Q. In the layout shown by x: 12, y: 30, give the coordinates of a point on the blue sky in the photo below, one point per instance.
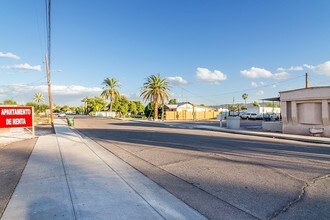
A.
x: 211, y: 51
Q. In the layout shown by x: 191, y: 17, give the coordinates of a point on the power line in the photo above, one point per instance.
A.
x: 238, y: 91
x: 263, y: 86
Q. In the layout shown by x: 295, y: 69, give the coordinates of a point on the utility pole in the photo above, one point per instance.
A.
x: 50, y: 98
x: 306, y: 80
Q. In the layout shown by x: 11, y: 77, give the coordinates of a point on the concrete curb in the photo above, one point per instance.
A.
x: 269, y: 135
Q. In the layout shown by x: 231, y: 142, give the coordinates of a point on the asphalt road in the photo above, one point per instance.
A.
x: 222, y: 175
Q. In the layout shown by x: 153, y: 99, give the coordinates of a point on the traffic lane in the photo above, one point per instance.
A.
x: 274, y: 152
x: 215, y: 185
x: 256, y: 183
x: 213, y: 141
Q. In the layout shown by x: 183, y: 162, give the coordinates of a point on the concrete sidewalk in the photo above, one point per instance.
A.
x: 71, y: 177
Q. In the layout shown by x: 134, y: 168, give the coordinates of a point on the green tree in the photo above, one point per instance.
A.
x: 233, y: 108
x: 57, y: 109
x: 38, y: 108
x: 109, y: 90
x: 94, y: 104
x: 42, y: 107
x: 244, y: 107
x: 80, y: 110
x: 156, y: 90
x: 9, y: 102
x: 245, y: 96
x: 121, y: 105
x: 149, y: 110
x: 139, y: 107
x: 271, y: 104
x: 256, y: 104
x: 132, y: 108
x: 172, y: 101
x: 38, y: 97
x: 34, y: 105
x: 65, y: 108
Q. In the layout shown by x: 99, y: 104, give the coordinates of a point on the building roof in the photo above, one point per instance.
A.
x: 272, y: 99
x: 316, y: 87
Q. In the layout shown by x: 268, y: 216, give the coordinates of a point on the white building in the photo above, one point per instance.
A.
x: 263, y: 110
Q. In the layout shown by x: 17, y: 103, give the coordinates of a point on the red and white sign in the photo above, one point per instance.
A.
x: 15, y: 117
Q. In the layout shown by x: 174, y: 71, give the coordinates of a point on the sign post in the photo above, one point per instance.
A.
x: 17, y: 117
x: 33, y: 130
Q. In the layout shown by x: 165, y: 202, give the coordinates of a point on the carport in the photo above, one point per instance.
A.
x: 273, y: 100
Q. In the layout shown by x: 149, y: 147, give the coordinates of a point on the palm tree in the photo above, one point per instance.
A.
x: 245, y: 96
x: 110, y: 92
x: 38, y: 97
x: 155, y: 89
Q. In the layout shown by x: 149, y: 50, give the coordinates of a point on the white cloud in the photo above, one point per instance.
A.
x: 254, y: 84
x: 255, y: 72
x: 281, y: 75
x: 9, y: 55
x: 177, y: 80
x: 62, y: 94
x: 309, y: 66
x: 292, y: 68
x: 274, y: 86
x: 260, y: 93
x: 206, y: 75
x: 257, y: 84
x: 74, y: 90
x: 56, y: 70
x: 323, y: 68
x: 25, y: 66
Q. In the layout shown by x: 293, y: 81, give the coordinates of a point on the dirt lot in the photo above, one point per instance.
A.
x: 13, y: 159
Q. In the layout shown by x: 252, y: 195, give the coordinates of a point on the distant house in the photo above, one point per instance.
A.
x: 306, y: 111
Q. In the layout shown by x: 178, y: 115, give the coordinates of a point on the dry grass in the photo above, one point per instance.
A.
x: 41, y: 119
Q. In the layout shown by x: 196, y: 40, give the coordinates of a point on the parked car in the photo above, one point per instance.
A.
x: 61, y: 114
x: 271, y: 117
x: 249, y: 116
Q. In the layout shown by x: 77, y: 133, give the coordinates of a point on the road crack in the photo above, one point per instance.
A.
x: 299, y: 198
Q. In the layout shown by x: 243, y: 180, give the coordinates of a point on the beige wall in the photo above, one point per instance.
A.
x: 188, y: 115
x: 304, y: 109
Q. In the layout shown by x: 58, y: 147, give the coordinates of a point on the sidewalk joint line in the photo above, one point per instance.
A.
x: 66, y: 179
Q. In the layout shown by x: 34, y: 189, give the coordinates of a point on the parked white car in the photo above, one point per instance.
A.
x: 249, y: 116
x: 61, y: 114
